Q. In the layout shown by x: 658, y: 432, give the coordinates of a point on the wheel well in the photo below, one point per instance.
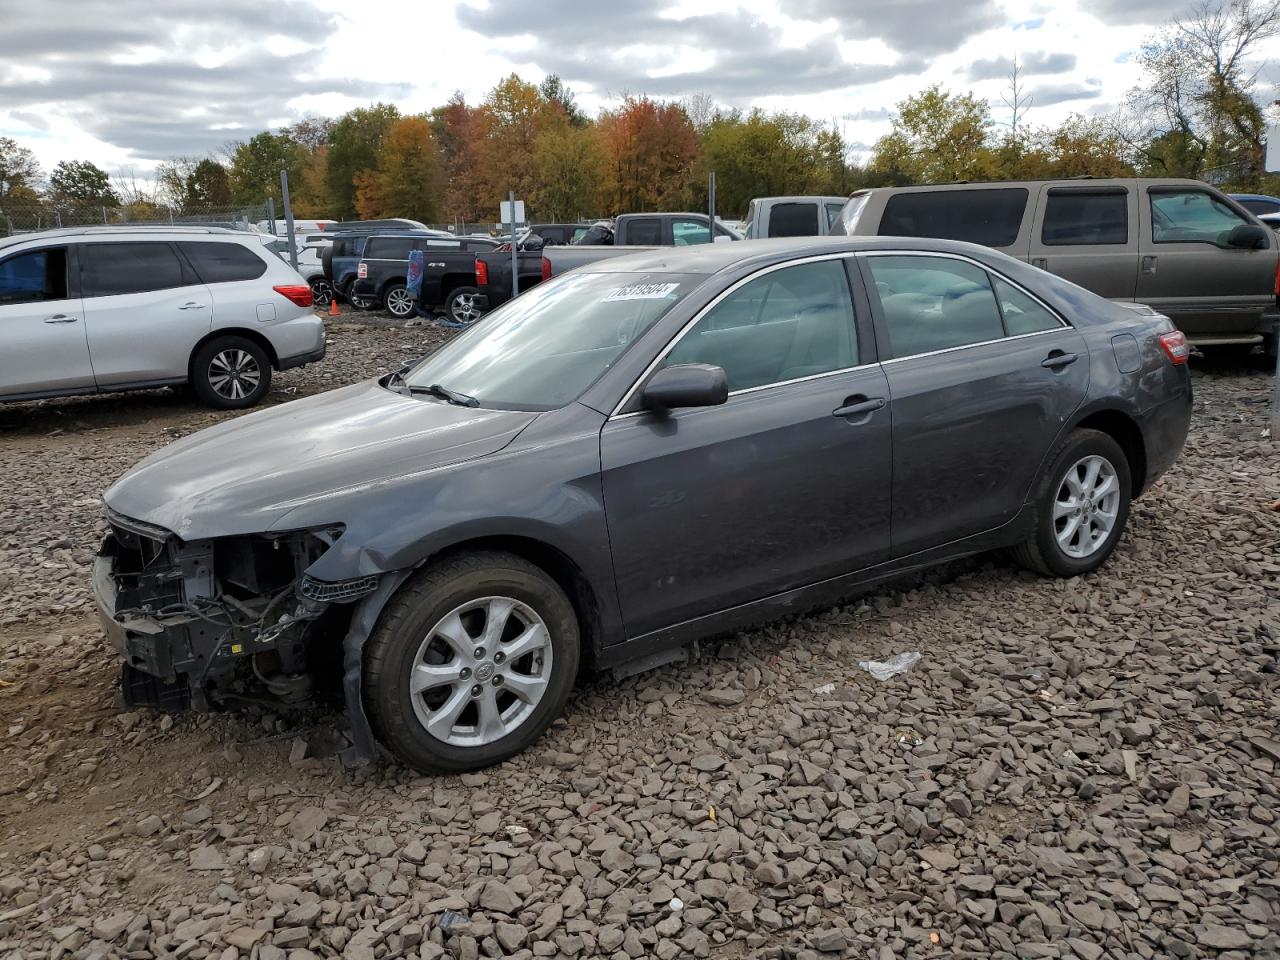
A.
x: 567, y: 575
x: 253, y: 335
x: 452, y: 281
x: 1122, y: 429
x: 389, y: 283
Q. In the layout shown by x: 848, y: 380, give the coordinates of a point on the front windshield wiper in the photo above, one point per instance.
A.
x: 444, y: 393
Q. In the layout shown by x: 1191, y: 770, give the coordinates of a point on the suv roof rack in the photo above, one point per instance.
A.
x: 130, y: 228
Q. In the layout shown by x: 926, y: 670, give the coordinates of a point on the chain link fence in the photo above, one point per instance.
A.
x: 28, y: 217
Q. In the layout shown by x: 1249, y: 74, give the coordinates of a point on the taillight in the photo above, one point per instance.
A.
x: 1175, y: 346
x: 546, y: 269
x: 298, y: 293
x: 482, y: 274
x: 362, y: 271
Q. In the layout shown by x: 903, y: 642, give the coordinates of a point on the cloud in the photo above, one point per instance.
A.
x: 159, y: 80
x: 1048, y: 94
x: 909, y: 26
x: 1029, y: 64
x: 623, y: 48
x: 1128, y: 12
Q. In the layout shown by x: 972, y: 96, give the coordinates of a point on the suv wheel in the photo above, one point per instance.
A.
x: 1082, y: 504
x: 231, y: 373
x: 471, y: 661
x: 396, y: 299
x: 321, y: 291
x: 461, y: 308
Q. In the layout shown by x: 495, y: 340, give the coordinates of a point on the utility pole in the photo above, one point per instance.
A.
x: 711, y: 206
x: 515, y: 270
x: 288, y: 218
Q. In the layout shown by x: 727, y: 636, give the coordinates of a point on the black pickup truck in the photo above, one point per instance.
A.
x: 449, y: 281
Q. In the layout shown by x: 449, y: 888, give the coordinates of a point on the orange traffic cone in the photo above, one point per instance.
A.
x: 334, y: 310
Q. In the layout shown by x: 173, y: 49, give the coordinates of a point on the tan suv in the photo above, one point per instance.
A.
x: 1180, y: 246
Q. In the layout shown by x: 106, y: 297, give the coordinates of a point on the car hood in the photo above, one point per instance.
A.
x: 246, y: 475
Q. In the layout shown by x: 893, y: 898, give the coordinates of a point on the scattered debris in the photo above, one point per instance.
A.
x: 884, y: 669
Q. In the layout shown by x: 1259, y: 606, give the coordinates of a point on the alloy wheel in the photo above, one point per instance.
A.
x: 321, y: 292
x: 481, y: 671
x: 464, y: 309
x: 234, y: 373
x: 398, y: 302
x: 1086, y: 506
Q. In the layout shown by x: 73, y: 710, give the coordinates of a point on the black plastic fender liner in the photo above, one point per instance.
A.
x: 363, y: 749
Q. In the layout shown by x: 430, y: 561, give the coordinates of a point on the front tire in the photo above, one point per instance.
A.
x: 1081, y: 504
x: 230, y: 373
x: 470, y: 663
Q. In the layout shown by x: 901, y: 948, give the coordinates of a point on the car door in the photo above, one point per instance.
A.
x: 787, y: 483
x: 981, y: 376
x: 42, y: 332
x: 1189, y: 273
x: 144, y: 311
x: 1089, y: 235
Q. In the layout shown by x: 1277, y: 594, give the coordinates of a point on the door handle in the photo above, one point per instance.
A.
x: 1057, y: 360
x: 857, y: 405
x: 1149, y: 265
x: 191, y: 305
x: 60, y: 318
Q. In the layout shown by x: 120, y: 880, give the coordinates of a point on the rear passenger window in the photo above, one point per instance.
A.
x: 388, y: 248
x: 34, y: 277
x: 112, y: 269
x: 989, y: 217
x: 226, y: 262
x: 793, y: 220
x: 1022, y: 314
x: 644, y: 233
x: 789, y: 323
x: 934, y: 303
x: 1086, y: 218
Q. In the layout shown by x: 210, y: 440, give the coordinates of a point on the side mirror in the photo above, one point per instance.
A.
x: 686, y: 385
x: 721, y: 238
x: 1247, y: 236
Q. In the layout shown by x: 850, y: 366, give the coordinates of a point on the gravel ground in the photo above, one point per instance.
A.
x: 1080, y: 768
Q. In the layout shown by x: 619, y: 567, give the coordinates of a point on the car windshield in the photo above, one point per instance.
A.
x: 544, y: 348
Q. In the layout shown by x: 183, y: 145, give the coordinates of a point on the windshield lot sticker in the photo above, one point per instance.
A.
x: 643, y: 291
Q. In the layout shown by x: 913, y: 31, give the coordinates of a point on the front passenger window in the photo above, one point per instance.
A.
x: 787, y: 324
x: 1191, y: 216
x: 934, y: 303
x: 34, y: 277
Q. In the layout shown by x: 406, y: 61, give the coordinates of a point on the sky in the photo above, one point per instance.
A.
x: 129, y: 83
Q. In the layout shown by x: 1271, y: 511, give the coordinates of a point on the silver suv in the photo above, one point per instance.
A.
x: 101, y: 309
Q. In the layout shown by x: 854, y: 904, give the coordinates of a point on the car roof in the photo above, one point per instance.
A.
x: 1082, y: 182
x: 132, y: 231
x: 709, y: 258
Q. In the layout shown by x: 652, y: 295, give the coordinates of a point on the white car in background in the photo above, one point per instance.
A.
x: 103, y: 309
x: 310, y: 264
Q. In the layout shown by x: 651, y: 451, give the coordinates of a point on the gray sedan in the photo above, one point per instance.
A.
x: 619, y: 462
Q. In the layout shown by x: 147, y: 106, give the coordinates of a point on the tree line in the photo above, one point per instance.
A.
x: 1197, y: 113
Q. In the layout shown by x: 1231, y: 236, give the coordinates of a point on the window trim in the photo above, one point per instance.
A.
x: 878, y: 309
x: 1174, y: 188
x: 1088, y: 192
x: 712, y: 304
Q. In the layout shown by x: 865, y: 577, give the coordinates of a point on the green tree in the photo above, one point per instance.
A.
x: 767, y: 155
x: 354, y: 142
x: 567, y: 170
x: 937, y: 137
x: 207, y: 186
x: 19, y: 171
x: 81, y: 183
x: 256, y: 165
x: 554, y: 91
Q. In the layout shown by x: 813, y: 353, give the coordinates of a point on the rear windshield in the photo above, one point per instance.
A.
x: 793, y: 220
x: 989, y: 217
x: 544, y: 348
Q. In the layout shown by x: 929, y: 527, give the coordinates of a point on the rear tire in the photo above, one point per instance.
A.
x: 1081, y: 506
x: 321, y: 291
x: 230, y: 373
x: 396, y: 300
x: 436, y: 634
x: 460, y: 307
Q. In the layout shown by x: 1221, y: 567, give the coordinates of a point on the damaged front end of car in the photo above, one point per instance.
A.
x: 202, y: 624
